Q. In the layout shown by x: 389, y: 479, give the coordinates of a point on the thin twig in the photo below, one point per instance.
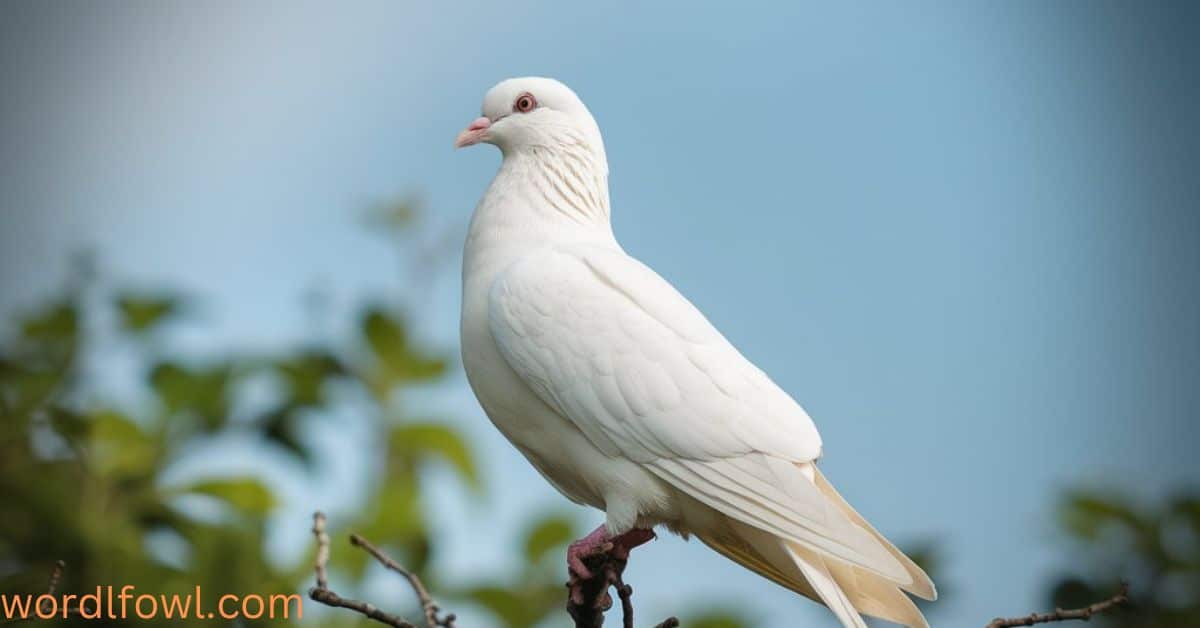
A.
x: 427, y: 605
x: 329, y: 598
x: 318, y: 530
x: 1059, y: 614
x: 321, y: 593
x: 52, y: 586
x: 625, y: 593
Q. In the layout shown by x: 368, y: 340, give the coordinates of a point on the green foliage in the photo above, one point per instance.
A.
x: 548, y: 534
x: 716, y: 618
x: 54, y: 327
x: 245, y: 494
x: 397, y: 361
x: 928, y: 555
x: 395, y: 217
x: 203, y: 391
x: 305, y: 375
x: 419, y: 441
x: 141, y: 314
x: 82, y: 480
x: 520, y: 606
x: 1157, y: 549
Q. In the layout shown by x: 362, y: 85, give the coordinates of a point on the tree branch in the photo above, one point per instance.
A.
x: 321, y: 592
x: 1059, y: 614
x: 329, y: 598
x: 51, y: 588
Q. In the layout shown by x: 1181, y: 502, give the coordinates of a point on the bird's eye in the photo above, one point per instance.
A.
x: 525, y: 103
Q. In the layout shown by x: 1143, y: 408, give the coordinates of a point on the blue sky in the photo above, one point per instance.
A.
x: 963, y: 235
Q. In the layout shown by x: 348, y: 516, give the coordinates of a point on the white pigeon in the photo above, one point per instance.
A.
x: 621, y: 393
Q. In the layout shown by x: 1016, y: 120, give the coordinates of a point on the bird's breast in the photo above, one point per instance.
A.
x: 552, y: 444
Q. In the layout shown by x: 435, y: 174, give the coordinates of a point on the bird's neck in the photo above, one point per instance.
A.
x: 546, y: 195
x: 569, y: 179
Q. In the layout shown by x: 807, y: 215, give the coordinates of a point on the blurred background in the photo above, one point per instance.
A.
x: 966, y: 236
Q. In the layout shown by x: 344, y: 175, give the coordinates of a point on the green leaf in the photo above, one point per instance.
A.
x: 202, y: 391
x: 141, y: 314
x: 503, y: 603
x: 1074, y: 593
x: 1188, y: 507
x: 393, y: 518
x: 385, y: 335
x: 58, y: 322
x: 520, y: 606
x: 395, y: 216
x: 716, y: 619
x: 246, y: 494
x: 547, y: 534
x: 420, y: 440
x: 68, y: 424
x: 399, y: 361
x: 281, y: 428
x: 927, y: 555
x: 119, y: 447
x: 1085, y: 514
x: 305, y: 376
x: 27, y: 390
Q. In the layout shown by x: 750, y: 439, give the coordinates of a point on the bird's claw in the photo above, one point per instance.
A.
x: 580, y: 550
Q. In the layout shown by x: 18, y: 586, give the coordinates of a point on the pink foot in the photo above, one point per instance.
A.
x: 597, y: 542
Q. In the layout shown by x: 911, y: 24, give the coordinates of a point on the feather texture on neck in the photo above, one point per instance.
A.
x: 564, y: 176
x: 543, y: 195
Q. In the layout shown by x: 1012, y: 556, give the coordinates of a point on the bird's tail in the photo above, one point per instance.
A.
x: 848, y: 591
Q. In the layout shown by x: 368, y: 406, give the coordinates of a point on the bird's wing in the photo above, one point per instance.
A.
x: 613, y: 347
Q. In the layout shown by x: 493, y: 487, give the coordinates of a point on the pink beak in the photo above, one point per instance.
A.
x: 475, y: 133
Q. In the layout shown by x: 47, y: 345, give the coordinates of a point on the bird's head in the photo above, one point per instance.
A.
x: 520, y: 114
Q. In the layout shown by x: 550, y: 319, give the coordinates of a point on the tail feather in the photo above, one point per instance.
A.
x: 751, y: 560
x: 921, y: 585
x: 817, y: 573
x: 848, y: 591
x: 877, y: 597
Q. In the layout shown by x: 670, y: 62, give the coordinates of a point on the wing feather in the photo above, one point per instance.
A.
x: 808, y: 519
x: 614, y: 348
